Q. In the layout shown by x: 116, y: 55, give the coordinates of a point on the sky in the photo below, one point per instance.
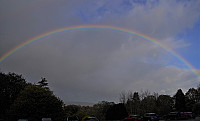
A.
x: 92, y: 65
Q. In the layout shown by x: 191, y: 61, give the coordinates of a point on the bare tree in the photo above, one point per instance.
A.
x: 144, y: 94
x: 122, y: 97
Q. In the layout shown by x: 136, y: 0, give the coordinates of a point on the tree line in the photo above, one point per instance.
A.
x: 22, y: 100
x: 145, y: 101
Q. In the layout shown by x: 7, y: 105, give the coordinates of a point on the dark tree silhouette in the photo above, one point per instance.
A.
x: 116, y: 112
x: 101, y: 108
x: 43, y: 83
x: 71, y: 109
x: 191, y: 99
x: 11, y: 85
x: 164, y: 104
x: 35, y: 103
x: 180, y: 100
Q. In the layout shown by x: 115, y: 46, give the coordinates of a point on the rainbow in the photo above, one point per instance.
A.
x: 114, y: 28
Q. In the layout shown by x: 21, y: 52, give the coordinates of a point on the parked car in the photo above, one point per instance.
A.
x: 23, y: 120
x: 183, y: 115
x: 150, y: 117
x: 134, y: 118
x: 173, y: 115
x: 90, y: 119
x: 46, y: 119
x: 189, y: 115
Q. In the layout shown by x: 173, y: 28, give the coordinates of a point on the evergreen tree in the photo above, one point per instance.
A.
x: 180, y: 100
x: 164, y: 104
x: 136, y: 102
x: 191, y: 99
x: 43, y: 83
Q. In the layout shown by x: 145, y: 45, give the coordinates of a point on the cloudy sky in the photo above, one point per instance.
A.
x: 91, y: 65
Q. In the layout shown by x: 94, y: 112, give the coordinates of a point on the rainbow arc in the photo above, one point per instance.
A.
x: 114, y: 28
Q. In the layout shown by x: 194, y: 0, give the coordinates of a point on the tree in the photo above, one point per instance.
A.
x: 192, y: 94
x: 35, y: 102
x: 11, y: 85
x: 129, y: 103
x: 196, y: 108
x: 198, y: 93
x: 179, y: 100
x: 144, y: 94
x: 71, y: 109
x: 85, y: 111
x: 101, y: 108
x: 116, y: 112
x: 136, y: 102
x: 191, y: 98
x: 122, y: 97
x: 198, y: 87
x: 133, y: 103
x: 43, y: 83
x: 148, y: 104
x: 164, y: 104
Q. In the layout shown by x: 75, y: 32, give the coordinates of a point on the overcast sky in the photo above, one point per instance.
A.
x: 92, y: 65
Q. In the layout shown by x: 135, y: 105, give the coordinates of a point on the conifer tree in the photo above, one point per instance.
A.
x: 179, y: 100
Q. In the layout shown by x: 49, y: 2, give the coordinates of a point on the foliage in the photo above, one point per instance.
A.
x: 101, y: 108
x: 196, y: 108
x: 149, y: 104
x: 191, y: 98
x: 35, y: 103
x: 179, y: 100
x: 85, y: 111
x: 20, y: 99
x: 43, y: 83
x: 164, y: 104
x: 133, y: 103
x: 116, y: 112
x: 71, y: 110
x: 11, y: 85
x: 145, y: 101
x: 192, y: 94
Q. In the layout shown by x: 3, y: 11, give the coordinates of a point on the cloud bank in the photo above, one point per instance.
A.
x: 95, y: 65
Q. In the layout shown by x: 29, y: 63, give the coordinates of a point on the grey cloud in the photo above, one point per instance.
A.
x: 92, y: 65
x: 80, y: 66
x: 162, y: 20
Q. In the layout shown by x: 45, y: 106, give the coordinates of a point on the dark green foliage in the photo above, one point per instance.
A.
x: 196, y: 108
x: 101, y: 108
x: 164, y: 104
x: 180, y: 101
x: 43, y: 83
x: 149, y: 104
x: 133, y: 103
x: 11, y: 85
x: 35, y: 103
x: 192, y: 94
x: 191, y: 98
x: 71, y: 110
x: 116, y: 112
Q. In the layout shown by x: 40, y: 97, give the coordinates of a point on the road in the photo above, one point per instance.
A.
x: 196, y: 119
